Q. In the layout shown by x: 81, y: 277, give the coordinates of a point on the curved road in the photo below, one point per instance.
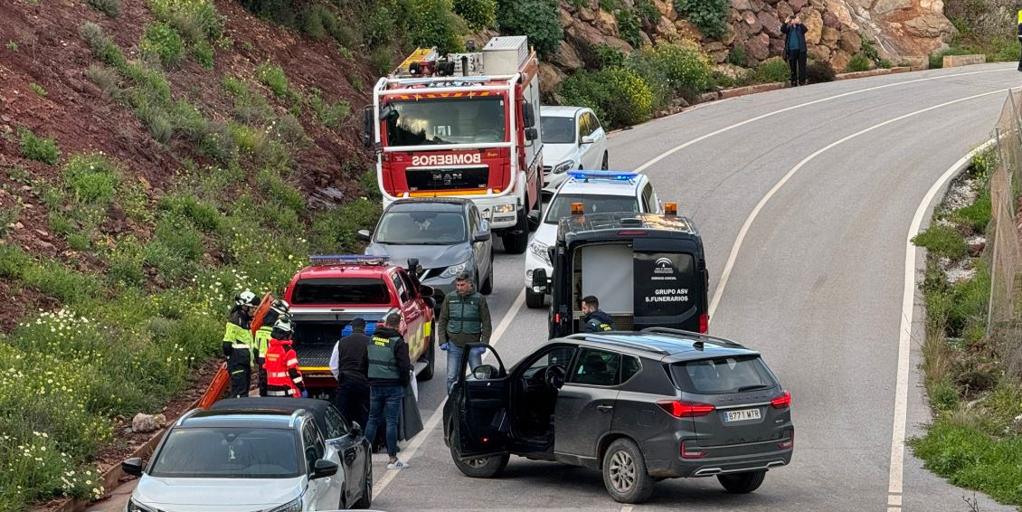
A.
x: 804, y: 198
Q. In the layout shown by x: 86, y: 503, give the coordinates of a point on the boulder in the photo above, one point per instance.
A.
x: 142, y: 423
x: 814, y: 26
x: 566, y: 57
x: 819, y: 52
x: 751, y: 22
x: 550, y: 77
x: 606, y: 22
x: 665, y: 28
x: 839, y: 60
x: 850, y: 42
x: 759, y: 46
x: 797, y: 5
x: 741, y: 5
x: 830, y: 37
x: 586, y: 14
x: 771, y: 23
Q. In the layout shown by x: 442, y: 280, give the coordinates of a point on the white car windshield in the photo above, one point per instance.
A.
x: 561, y: 206
x: 422, y: 228
x: 237, y: 452
x: 558, y: 130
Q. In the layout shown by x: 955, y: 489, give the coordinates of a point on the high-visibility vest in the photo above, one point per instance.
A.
x: 382, y: 360
x: 465, y: 313
x: 241, y: 341
x: 280, y: 360
x: 262, y: 340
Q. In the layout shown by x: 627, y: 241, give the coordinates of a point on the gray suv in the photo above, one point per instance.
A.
x: 638, y: 406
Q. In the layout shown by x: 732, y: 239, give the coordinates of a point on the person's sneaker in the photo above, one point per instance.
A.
x: 397, y: 464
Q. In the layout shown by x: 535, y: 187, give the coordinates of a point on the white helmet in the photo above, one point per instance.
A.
x: 281, y: 307
x: 245, y: 298
x: 284, y: 325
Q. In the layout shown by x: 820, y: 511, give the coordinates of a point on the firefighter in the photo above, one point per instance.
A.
x: 283, y: 378
x: 279, y: 309
x: 238, y: 344
x: 595, y: 320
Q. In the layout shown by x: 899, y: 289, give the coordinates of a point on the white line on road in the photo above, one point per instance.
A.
x: 438, y: 414
x: 905, y: 332
x: 729, y: 265
x: 701, y: 138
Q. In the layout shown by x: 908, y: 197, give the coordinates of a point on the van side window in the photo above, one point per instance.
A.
x: 596, y: 367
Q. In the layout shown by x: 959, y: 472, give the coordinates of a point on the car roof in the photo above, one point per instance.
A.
x: 600, y: 183
x: 559, y: 110
x: 208, y: 418
x: 668, y: 345
x: 275, y: 407
x: 600, y: 224
x: 429, y: 203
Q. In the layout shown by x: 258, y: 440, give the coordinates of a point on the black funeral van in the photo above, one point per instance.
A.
x: 647, y: 270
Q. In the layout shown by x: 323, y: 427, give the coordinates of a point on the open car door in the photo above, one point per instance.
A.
x: 477, y: 416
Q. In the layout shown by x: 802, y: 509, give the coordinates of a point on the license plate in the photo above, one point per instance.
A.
x: 742, y: 415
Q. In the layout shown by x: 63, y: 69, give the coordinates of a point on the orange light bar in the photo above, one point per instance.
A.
x: 577, y: 209
x: 670, y: 208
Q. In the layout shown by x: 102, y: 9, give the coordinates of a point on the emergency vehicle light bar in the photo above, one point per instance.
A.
x: 357, y: 259
x: 671, y: 208
x: 603, y: 175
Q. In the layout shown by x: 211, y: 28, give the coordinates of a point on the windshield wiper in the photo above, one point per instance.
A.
x: 754, y: 388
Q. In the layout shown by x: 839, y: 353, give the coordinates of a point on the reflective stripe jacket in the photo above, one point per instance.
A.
x: 238, y: 344
x: 281, y: 365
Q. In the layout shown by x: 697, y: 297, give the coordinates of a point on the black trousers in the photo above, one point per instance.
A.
x: 352, y: 399
x: 262, y: 377
x: 797, y: 63
x: 241, y: 379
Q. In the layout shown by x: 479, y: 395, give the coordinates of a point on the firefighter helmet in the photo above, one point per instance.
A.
x: 246, y: 298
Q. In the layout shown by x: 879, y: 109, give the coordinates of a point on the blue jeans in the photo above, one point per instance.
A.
x: 454, y: 359
x: 385, y: 406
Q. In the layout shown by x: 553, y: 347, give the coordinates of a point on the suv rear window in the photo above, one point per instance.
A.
x: 722, y: 375
x: 341, y: 291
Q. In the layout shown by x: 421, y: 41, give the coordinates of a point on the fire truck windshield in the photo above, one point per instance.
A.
x: 446, y: 121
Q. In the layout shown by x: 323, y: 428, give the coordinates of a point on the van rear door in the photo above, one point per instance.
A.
x: 669, y: 285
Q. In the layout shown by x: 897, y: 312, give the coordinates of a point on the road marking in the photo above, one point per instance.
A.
x: 897, y: 465
x: 438, y: 414
x: 701, y: 138
x: 729, y: 265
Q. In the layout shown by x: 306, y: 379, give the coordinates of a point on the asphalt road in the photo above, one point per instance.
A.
x: 816, y: 285
x: 809, y: 194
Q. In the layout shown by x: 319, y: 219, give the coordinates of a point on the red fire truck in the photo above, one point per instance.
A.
x: 466, y: 125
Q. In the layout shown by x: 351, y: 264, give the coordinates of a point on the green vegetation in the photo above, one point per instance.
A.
x: 163, y: 42
x: 709, y: 15
x: 196, y: 22
x: 537, y: 19
x: 111, y: 8
x: 974, y: 441
x: 629, y: 26
x: 774, y: 69
x: 858, y: 62
x: 433, y: 23
x: 480, y: 14
x: 38, y: 89
x: 38, y: 148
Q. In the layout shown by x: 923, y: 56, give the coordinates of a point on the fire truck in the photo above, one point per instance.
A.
x: 465, y: 125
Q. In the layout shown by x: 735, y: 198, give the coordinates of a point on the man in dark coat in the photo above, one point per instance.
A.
x: 350, y: 365
x: 795, y: 49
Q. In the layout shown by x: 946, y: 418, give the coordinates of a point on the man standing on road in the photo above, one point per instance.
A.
x: 595, y: 320
x: 464, y: 318
x: 238, y: 344
x: 795, y: 49
x: 349, y: 363
x: 389, y: 371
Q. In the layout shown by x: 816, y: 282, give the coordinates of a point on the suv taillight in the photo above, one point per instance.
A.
x: 704, y: 323
x: 680, y: 409
x: 691, y: 454
x: 782, y: 402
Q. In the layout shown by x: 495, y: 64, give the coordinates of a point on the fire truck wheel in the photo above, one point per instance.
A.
x: 516, y: 239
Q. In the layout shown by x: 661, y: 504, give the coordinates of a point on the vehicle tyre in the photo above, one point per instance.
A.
x: 606, y: 162
x: 533, y: 300
x: 483, y: 467
x: 516, y: 239
x: 366, y: 500
x: 487, y: 287
x: 624, y: 472
x: 742, y: 483
x: 430, y: 357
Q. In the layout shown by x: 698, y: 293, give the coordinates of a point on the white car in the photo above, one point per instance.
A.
x: 599, y: 192
x: 572, y: 139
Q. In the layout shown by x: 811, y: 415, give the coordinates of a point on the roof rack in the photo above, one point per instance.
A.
x: 348, y: 259
x: 702, y: 337
x: 601, y: 337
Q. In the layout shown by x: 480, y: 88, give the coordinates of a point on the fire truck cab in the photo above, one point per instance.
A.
x: 464, y: 125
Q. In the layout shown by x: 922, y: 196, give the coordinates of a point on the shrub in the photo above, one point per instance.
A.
x: 628, y: 26
x: 196, y: 20
x: 92, y: 178
x: 334, y: 229
x: 709, y: 15
x: 279, y: 191
x: 201, y: 214
x: 331, y: 115
x: 274, y: 78
x: 738, y: 56
x: 977, y: 215
x: 111, y: 8
x: 937, y: 59
x: 941, y: 240
x: 311, y: 20
x: 13, y: 261
x: 684, y: 66
x: 647, y: 11
x: 537, y: 19
x: 607, y: 56
x: 859, y: 62
x: 125, y: 262
x: 480, y: 14
x: 771, y: 70
x: 162, y: 41
x: 433, y: 23
x: 817, y: 72
x: 8, y: 216
x: 37, y: 89
x: 38, y: 148
x: 102, y: 46
x: 620, y: 96
x: 381, y: 58
x: 67, y: 285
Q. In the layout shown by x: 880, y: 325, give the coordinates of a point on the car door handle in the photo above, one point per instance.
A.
x: 604, y: 408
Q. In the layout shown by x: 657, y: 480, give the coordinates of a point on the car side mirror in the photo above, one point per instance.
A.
x: 528, y: 115
x: 323, y: 468
x: 413, y: 267
x: 481, y: 236
x: 364, y: 235
x: 587, y: 140
x: 356, y: 429
x: 368, y: 120
x: 426, y: 291
x: 485, y: 372
x: 533, y: 217
x: 531, y: 134
x: 539, y: 280
x: 133, y: 466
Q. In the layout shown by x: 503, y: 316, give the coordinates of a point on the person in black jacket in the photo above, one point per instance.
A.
x: 595, y: 320
x: 795, y: 49
x: 350, y: 365
x: 389, y: 372
x: 1020, y: 38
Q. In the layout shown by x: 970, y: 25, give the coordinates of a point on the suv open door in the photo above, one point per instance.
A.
x: 477, y: 415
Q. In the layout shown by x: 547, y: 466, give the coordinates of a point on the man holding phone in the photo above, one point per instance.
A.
x: 795, y: 49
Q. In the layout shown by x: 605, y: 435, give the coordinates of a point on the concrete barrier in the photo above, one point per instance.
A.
x: 953, y: 61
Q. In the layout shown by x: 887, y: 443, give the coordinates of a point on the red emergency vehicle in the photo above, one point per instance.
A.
x: 465, y: 125
x: 328, y: 294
